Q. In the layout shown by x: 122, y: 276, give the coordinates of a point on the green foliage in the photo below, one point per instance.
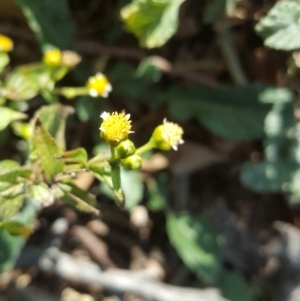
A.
x: 25, y: 82
x: 51, y: 22
x: 8, y: 115
x: 48, y: 151
x: 197, y: 245
x: 280, y: 27
x: 132, y: 188
x: 153, y: 22
x: 278, y: 171
x: 13, y: 232
x: 233, y: 113
x: 4, y: 60
x: 216, y: 9
x: 251, y: 111
x: 158, y: 192
x: 234, y: 287
x: 54, y: 119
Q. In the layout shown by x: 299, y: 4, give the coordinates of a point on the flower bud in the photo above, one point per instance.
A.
x: 166, y: 136
x: 132, y: 162
x: 53, y: 58
x: 6, y: 43
x: 125, y: 149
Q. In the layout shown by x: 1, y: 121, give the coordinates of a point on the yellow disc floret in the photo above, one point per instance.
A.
x: 167, y: 135
x: 6, y: 43
x: 115, y: 127
x: 99, y: 85
x: 53, y: 58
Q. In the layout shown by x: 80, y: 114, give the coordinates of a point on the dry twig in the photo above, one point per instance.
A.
x: 116, y: 280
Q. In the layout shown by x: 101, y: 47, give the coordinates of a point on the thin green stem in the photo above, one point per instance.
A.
x: 145, y: 148
x: 230, y: 55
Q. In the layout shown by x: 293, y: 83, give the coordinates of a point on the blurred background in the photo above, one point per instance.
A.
x: 216, y: 220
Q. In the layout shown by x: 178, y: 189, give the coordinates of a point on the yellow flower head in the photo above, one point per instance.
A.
x: 6, y: 44
x: 115, y: 127
x: 167, y: 135
x: 99, y: 85
x: 53, y: 58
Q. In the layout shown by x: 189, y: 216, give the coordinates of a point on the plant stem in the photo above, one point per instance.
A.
x: 146, y: 147
x: 231, y: 57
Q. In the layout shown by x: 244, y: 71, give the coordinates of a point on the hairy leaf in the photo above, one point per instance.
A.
x: 236, y: 113
x: 4, y: 60
x: 153, y: 22
x: 42, y: 193
x: 19, y: 224
x: 50, y: 20
x: 72, y: 195
x: 75, y: 159
x: 8, y: 115
x: 25, y: 82
x: 54, y: 119
x: 281, y: 26
x: 11, y: 199
x: 47, y: 150
x: 196, y: 244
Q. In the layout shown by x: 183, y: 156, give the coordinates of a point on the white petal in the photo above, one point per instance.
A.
x: 104, y: 115
x: 108, y: 88
x: 99, y: 75
x: 93, y: 93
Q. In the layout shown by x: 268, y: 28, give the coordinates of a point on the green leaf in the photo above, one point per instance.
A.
x: 13, y: 174
x: 132, y: 187
x: 11, y: 200
x: 25, y: 82
x: 267, y: 176
x: 149, y: 70
x: 11, y: 245
x: 74, y: 196
x: 11, y: 171
x: 234, y: 287
x: 196, y: 244
x: 133, y: 85
x: 7, y: 164
x: 10, y: 249
x: 235, y: 113
x: 75, y: 159
x: 17, y: 228
x: 42, y: 193
x: 281, y: 26
x: 78, y: 155
x: 153, y: 22
x: 214, y: 11
x: 4, y: 60
x: 8, y: 115
x: 54, y: 117
x: 158, y: 192
x: 51, y: 22
x: 47, y: 150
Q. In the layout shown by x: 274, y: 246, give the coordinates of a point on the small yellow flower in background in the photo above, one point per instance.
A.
x: 167, y: 135
x: 53, y: 58
x: 99, y: 85
x: 115, y: 127
x: 6, y: 43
